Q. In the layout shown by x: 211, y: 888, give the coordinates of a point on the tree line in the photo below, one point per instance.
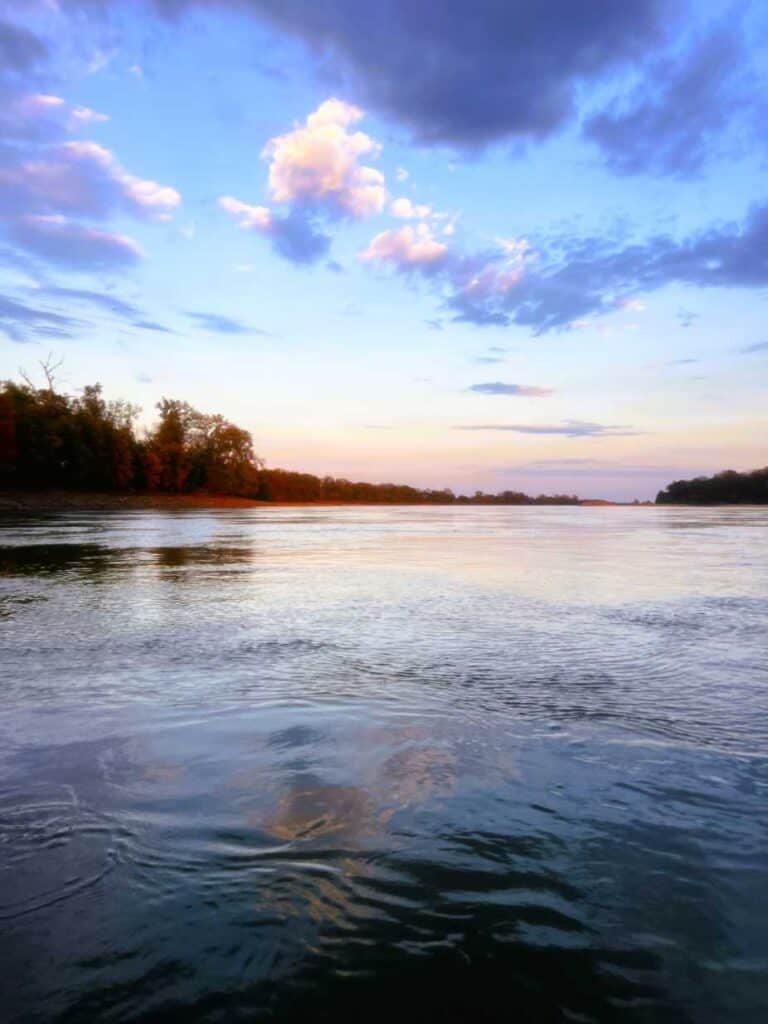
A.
x: 52, y: 440
x: 726, y: 488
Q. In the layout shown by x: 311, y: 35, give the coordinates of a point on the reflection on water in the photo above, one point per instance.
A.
x: 461, y: 764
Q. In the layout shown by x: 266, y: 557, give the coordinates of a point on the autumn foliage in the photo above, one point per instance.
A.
x: 50, y: 440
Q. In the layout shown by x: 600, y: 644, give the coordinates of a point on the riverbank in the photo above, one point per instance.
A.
x: 87, y: 501
x: 104, y: 501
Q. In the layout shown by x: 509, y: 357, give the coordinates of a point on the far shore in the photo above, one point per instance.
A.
x: 91, y: 501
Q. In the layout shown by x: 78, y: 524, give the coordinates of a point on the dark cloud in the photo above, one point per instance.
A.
x: 669, y: 123
x: 19, y: 48
x: 22, y: 323
x: 470, y: 73
x: 224, y: 324
x: 496, y: 387
x: 760, y: 346
x: 297, y: 238
x: 571, y: 428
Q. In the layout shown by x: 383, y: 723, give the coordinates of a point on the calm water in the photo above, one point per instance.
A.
x: 351, y: 764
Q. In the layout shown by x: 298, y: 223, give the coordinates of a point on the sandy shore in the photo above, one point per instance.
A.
x: 46, y: 501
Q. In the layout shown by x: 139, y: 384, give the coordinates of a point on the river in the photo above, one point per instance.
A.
x: 444, y: 763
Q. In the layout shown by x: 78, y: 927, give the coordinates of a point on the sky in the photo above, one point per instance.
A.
x: 490, y: 245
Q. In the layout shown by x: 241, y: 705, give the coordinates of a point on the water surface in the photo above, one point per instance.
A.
x: 361, y: 763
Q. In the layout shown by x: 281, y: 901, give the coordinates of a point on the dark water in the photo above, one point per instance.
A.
x: 357, y: 764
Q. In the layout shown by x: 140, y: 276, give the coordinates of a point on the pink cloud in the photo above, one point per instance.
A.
x: 252, y: 218
x: 405, y: 248
x: 60, y: 240
x: 406, y: 210
x: 319, y: 163
x: 85, y: 178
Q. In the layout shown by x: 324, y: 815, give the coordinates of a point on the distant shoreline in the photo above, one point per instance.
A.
x: 98, y: 501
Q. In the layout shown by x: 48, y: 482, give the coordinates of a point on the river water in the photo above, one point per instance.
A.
x: 451, y: 764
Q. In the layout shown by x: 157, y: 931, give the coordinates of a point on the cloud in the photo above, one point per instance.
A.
x: 401, y: 174
x: 498, y: 388
x: 472, y: 74
x: 630, y: 304
x: 571, y: 428
x: 595, y: 468
x: 669, y: 123
x: 152, y: 325
x: 20, y: 49
x: 59, y: 240
x: 489, y: 360
x: 51, y: 184
x: 22, y: 323
x: 561, y: 285
x: 82, y: 179
x: 223, y: 324
x: 406, y: 248
x: 760, y: 346
x: 315, y: 176
x: 296, y: 236
x: 251, y: 218
x: 318, y: 164
x: 468, y: 74
x: 406, y: 210
x: 102, y: 300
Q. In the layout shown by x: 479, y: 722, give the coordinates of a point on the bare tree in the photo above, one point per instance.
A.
x: 49, y: 368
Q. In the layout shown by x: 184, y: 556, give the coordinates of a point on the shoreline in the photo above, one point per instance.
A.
x: 104, y: 501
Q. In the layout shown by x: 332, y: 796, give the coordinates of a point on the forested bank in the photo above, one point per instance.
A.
x: 54, y: 441
x: 726, y: 488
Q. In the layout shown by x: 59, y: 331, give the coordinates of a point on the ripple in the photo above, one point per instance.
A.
x: 56, y: 848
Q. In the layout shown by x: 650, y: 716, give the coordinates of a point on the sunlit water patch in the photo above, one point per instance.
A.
x: 456, y: 764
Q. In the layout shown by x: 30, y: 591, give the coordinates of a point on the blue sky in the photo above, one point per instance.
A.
x: 497, y: 245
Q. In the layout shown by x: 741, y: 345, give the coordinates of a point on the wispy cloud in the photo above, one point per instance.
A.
x: 759, y: 346
x: 571, y: 428
x: 596, y: 468
x: 496, y: 387
x: 21, y: 322
x: 220, y: 324
x: 152, y: 325
x: 102, y: 300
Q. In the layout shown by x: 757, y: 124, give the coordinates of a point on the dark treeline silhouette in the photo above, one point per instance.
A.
x: 726, y: 488
x: 50, y: 440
